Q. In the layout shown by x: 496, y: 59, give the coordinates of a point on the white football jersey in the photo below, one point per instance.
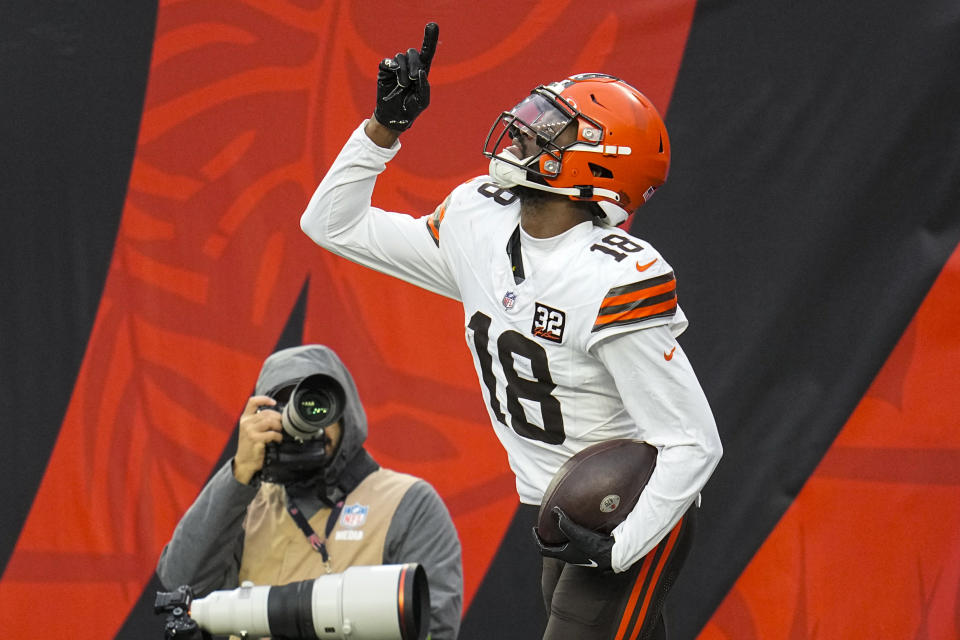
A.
x: 533, y: 309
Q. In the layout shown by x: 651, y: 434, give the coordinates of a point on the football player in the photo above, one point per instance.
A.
x: 571, y: 321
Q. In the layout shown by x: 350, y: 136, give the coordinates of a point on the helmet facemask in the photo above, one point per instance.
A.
x: 527, y: 137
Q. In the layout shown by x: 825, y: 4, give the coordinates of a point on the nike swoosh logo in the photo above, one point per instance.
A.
x: 592, y: 563
x: 644, y: 267
x: 669, y: 356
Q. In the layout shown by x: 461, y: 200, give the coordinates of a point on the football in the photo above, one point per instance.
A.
x: 597, y: 487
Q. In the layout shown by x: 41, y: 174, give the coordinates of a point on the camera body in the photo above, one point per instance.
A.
x: 178, y: 623
x: 315, y: 403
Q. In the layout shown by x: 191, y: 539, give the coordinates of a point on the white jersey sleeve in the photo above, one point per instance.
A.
x: 660, y: 391
x: 642, y: 293
x: 341, y: 219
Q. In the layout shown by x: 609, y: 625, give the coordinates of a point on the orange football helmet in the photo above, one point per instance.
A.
x: 619, y: 156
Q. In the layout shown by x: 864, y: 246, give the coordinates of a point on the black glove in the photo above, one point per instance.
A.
x: 584, y: 547
x: 402, y: 88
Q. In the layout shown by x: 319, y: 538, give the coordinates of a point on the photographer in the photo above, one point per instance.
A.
x: 284, y: 510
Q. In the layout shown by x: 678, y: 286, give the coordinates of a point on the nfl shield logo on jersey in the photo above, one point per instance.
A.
x: 509, y: 299
x: 354, y: 515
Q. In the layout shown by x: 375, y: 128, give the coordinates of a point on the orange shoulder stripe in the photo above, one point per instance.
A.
x: 638, y: 301
x: 662, y: 308
x: 434, y: 220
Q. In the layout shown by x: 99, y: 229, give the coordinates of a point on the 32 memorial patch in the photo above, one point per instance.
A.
x: 548, y: 323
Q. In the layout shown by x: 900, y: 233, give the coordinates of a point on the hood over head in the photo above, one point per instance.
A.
x: 287, y: 367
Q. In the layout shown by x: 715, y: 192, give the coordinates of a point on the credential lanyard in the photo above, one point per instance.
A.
x: 320, y: 546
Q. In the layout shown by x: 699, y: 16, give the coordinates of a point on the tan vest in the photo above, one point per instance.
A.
x: 276, y: 552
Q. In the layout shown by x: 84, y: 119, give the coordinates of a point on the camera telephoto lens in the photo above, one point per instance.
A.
x: 316, y: 403
x: 384, y: 602
x: 314, y: 406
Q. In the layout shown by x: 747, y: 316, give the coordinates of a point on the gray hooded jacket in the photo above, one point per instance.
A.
x: 351, y: 463
x: 207, y: 545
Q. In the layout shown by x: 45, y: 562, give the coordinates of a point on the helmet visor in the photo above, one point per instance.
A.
x: 520, y: 136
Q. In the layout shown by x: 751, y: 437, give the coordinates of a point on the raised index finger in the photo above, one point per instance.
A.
x: 431, y: 33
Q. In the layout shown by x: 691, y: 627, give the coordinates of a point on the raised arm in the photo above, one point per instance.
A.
x: 340, y: 217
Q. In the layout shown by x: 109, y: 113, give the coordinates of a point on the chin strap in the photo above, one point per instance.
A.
x: 506, y: 174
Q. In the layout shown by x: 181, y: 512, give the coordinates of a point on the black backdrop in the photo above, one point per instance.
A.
x: 74, y: 75
x: 820, y: 149
x: 824, y: 141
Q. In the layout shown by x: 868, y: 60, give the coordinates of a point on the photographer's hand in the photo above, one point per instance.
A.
x: 257, y: 428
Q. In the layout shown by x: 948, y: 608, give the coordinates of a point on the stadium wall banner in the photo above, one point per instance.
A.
x: 158, y: 158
